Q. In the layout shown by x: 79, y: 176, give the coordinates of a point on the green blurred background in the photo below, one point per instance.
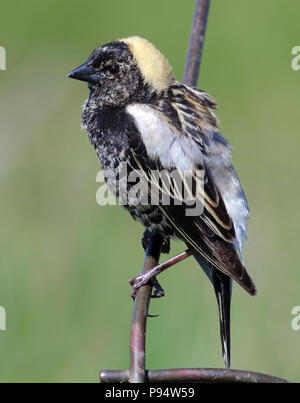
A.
x: 65, y: 261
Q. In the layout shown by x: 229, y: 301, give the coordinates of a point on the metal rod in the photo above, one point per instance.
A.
x: 139, y: 316
x: 207, y: 375
x: 194, y: 54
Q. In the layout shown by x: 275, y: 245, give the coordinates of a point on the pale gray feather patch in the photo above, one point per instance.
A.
x: 218, y: 161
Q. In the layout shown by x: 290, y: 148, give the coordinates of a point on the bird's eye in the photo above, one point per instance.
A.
x: 112, y: 68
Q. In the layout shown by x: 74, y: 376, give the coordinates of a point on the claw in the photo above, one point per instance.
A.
x: 158, y: 290
x: 165, y: 246
x: 141, y: 279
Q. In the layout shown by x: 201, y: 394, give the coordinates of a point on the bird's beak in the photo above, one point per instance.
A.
x: 85, y: 73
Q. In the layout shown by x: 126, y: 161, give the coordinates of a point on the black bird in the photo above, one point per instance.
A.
x: 140, y: 116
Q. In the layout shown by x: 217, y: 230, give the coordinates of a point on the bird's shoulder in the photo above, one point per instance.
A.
x: 173, y: 123
x: 190, y: 107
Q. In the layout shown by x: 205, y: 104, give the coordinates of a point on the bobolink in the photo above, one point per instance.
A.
x: 137, y: 113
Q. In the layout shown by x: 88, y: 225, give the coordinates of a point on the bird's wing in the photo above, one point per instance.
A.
x: 203, y: 128
x: 178, y: 133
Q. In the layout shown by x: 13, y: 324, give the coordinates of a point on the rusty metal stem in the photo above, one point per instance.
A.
x: 194, y: 54
x: 207, y: 375
x: 137, y: 372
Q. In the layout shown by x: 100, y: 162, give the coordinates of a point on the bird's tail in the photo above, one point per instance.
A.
x: 223, y: 286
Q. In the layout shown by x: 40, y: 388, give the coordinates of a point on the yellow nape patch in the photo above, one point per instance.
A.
x: 154, y: 66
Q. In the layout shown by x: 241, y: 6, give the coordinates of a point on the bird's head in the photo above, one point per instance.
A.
x: 124, y: 71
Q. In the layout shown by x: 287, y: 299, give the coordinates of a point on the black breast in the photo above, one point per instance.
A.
x: 117, y: 141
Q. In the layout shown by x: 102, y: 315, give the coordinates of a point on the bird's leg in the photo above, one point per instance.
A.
x: 146, y: 238
x: 158, y: 290
x: 142, y: 279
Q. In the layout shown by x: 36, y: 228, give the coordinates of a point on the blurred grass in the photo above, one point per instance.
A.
x: 65, y: 261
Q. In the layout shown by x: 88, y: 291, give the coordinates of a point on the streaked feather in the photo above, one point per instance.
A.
x: 180, y: 132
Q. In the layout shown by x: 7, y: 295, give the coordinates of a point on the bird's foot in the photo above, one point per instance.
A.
x: 150, y: 276
x: 141, y: 279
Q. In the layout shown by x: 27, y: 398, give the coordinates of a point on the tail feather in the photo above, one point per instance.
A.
x: 222, y: 286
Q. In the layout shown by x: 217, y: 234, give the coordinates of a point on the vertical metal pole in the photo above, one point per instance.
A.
x: 139, y: 316
x: 194, y: 54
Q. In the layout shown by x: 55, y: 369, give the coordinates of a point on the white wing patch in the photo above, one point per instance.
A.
x: 173, y: 150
